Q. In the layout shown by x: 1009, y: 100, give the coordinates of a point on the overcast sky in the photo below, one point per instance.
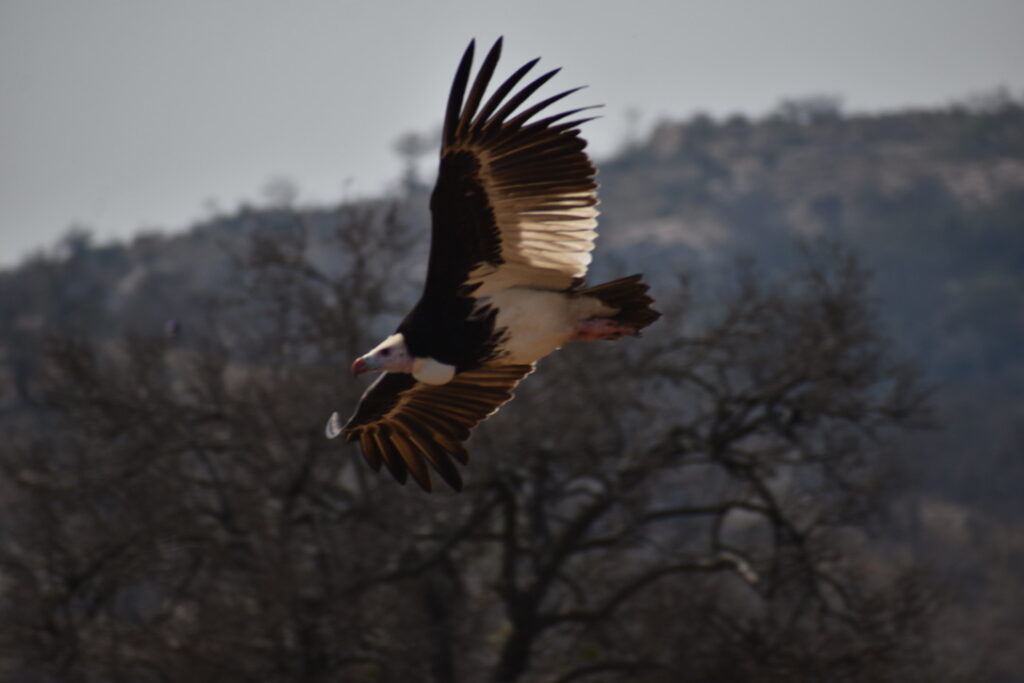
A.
x: 121, y: 115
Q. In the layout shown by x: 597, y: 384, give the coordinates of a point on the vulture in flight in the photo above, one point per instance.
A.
x: 513, y: 218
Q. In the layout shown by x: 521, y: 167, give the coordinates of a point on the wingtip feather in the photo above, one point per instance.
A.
x: 333, y: 428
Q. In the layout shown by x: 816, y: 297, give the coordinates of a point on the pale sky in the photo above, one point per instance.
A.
x: 122, y: 115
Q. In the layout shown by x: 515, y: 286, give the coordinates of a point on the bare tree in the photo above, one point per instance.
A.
x: 697, y: 506
x: 726, y: 474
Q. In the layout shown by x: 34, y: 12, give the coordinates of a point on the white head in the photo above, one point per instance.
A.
x: 390, y: 355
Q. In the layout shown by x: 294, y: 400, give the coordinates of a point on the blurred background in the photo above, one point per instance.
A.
x: 122, y: 117
x: 810, y: 469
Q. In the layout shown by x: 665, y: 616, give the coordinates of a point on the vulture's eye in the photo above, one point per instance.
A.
x: 385, y: 352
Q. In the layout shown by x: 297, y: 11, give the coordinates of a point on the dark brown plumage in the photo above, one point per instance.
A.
x: 402, y: 423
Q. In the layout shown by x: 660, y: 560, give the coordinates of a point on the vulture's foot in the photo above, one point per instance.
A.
x: 595, y: 329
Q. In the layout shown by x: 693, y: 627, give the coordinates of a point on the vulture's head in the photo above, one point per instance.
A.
x: 390, y: 355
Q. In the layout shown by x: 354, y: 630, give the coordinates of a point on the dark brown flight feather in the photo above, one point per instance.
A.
x: 404, y: 424
x: 510, y: 190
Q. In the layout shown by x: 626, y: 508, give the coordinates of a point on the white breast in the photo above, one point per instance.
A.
x: 538, y: 321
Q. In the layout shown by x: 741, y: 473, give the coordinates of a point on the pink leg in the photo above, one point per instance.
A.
x: 594, y: 329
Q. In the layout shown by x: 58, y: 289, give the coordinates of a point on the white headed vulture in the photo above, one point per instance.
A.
x: 513, y: 218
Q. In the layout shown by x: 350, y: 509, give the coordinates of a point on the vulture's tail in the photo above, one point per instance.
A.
x: 629, y: 295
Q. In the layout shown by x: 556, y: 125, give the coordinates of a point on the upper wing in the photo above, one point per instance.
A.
x: 515, y: 200
x: 405, y: 424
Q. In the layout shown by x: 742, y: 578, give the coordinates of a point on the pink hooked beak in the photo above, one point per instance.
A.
x: 359, y: 367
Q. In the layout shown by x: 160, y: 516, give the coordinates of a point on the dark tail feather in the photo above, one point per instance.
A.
x: 629, y: 295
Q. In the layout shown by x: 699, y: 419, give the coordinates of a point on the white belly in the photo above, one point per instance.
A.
x: 537, y: 321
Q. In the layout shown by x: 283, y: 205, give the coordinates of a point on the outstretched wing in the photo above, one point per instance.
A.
x: 406, y: 424
x: 515, y: 200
